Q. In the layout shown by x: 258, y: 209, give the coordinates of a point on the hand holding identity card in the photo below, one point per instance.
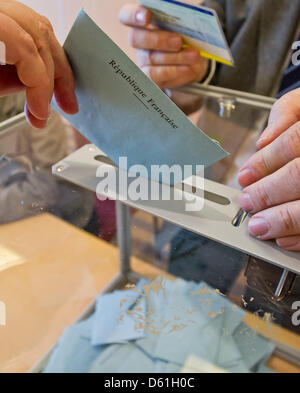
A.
x: 199, y: 26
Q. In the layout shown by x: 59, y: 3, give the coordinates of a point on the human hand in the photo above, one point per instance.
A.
x: 160, y: 54
x: 272, y: 177
x: 35, y: 63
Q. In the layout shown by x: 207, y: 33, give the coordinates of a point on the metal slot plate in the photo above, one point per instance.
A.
x: 214, y: 221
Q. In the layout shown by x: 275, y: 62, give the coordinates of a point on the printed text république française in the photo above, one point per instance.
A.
x: 141, y: 93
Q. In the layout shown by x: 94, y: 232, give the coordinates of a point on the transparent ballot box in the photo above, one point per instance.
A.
x: 110, y: 282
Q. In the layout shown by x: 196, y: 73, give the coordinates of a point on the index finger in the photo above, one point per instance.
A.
x: 135, y: 16
x: 64, y: 85
x: 274, y: 156
x: 22, y: 52
x: 273, y: 190
x: 284, y: 114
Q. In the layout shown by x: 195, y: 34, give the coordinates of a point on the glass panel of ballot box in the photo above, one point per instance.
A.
x: 124, y: 282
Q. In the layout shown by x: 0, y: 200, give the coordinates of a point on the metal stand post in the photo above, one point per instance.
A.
x: 124, y: 237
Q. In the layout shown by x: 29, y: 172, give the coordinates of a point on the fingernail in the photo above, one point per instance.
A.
x: 46, y: 116
x: 141, y: 17
x: 246, y: 177
x: 76, y: 105
x: 175, y: 43
x: 260, y: 142
x: 49, y: 111
x: 73, y: 102
x: 258, y: 227
x: 246, y: 202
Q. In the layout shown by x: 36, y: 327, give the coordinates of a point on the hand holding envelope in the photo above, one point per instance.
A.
x: 34, y: 61
x: 160, y: 54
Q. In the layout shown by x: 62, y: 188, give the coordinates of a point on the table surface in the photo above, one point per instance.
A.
x: 44, y: 255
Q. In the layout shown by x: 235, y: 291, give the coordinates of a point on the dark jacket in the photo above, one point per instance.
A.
x: 260, y: 34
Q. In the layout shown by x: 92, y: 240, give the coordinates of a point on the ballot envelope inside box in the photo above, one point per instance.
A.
x: 186, y: 275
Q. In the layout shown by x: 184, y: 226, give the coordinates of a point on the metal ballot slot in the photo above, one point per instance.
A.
x: 220, y: 219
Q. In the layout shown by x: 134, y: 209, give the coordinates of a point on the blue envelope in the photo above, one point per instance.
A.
x: 125, y: 114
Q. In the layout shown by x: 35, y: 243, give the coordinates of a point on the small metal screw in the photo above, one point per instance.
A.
x: 59, y: 169
x: 227, y: 106
x: 239, y: 218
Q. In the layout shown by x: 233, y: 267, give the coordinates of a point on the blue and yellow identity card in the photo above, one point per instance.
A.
x: 199, y: 26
